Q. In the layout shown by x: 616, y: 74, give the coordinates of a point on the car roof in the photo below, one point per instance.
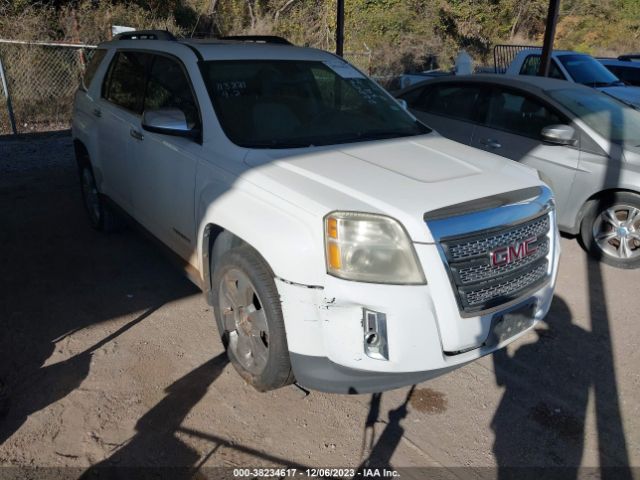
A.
x: 554, y: 53
x: 619, y: 63
x: 529, y: 83
x: 221, y: 49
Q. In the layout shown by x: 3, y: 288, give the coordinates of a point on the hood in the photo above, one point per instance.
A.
x: 628, y: 95
x: 402, y: 178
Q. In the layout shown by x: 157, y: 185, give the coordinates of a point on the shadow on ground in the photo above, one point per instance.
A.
x: 60, y: 276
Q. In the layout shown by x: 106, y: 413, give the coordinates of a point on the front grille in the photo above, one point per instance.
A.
x: 477, y: 271
x: 480, y: 296
x: 495, y: 267
x: 481, y: 244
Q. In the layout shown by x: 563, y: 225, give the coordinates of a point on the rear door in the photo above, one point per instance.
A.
x: 512, y: 128
x: 118, y: 111
x: 449, y: 108
x: 165, y: 165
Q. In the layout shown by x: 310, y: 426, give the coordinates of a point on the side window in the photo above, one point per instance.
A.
x: 326, y: 85
x: 519, y: 114
x: 412, y: 97
x: 628, y: 74
x: 169, y: 87
x: 531, y: 66
x: 457, y: 101
x: 92, y: 67
x: 126, y: 80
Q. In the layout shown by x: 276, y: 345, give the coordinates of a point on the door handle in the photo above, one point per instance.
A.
x: 490, y: 143
x: 136, y: 134
x: 97, y: 112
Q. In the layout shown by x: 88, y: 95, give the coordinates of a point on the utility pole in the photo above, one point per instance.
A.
x: 549, y: 36
x: 340, y: 28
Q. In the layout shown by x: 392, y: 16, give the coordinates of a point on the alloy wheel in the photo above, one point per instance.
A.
x: 244, y: 321
x: 616, y: 232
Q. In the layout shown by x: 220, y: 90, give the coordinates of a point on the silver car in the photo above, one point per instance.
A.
x: 585, y: 144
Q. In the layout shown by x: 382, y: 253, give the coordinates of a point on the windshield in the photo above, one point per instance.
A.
x: 292, y: 103
x: 612, y: 119
x: 588, y: 71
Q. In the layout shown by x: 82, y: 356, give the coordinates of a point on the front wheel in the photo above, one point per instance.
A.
x: 610, y: 230
x: 247, y: 309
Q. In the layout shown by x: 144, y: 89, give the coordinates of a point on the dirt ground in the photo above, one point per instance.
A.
x: 110, y: 357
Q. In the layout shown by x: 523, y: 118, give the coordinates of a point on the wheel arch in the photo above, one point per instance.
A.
x: 596, y: 197
x: 288, y: 245
x: 215, y: 243
x: 81, y: 154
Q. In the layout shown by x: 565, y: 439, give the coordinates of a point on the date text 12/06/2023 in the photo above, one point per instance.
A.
x: 316, y: 472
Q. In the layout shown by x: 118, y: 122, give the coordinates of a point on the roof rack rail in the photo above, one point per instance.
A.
x: 258, y: 39
x: 145, y: 35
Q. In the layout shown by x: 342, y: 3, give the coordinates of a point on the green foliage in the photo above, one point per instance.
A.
x: 398, y: 33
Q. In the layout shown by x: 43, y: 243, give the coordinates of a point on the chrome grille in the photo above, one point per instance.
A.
x: 480, y: 245
x: 481, y: 283
x: 521, y: 282
x: 483, y: 270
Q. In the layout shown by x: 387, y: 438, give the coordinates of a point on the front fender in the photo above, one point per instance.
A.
x: 289, y: 238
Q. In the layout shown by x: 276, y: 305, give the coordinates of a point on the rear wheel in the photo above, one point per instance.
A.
x: 610, y: 230
x: 249, y: 316
x: 100, y: 215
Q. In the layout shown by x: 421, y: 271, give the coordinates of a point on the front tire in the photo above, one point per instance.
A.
x: 247, y: 309
x: 610, y: 230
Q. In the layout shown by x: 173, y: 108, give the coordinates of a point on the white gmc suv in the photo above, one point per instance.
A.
x: 341, y: 243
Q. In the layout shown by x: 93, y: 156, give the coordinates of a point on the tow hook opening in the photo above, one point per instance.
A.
x: 375, y: 334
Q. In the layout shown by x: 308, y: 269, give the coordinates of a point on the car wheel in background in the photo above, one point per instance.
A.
x: 610, y: 230
x: 247, y: 309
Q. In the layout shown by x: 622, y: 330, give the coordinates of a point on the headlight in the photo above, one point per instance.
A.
x: 370, y: 248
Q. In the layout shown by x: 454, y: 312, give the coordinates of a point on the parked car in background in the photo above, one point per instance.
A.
x: 408, y: 79
x: 579, y: 68
x: 626, y: 70
x: 630, y: 57
x: 340, y: 241
x: 585, y: 144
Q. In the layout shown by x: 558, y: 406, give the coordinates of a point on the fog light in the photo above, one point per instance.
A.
x: 375, y: 334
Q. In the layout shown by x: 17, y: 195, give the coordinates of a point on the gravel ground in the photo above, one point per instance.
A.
x: 109, y: 357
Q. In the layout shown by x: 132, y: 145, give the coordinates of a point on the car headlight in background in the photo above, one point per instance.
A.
x: 370, y: 248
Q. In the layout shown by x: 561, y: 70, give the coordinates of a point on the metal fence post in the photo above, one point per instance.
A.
x: 5, y: 87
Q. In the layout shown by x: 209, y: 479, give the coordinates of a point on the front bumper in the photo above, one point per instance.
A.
x: 427, y: 336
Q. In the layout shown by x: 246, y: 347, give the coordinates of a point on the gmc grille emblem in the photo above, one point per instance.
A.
x: 516, y: 251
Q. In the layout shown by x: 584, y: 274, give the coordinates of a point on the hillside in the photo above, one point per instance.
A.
x: 386, y: 35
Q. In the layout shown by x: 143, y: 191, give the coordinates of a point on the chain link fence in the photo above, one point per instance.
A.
x: 362, y: 60
x: 41, y: 81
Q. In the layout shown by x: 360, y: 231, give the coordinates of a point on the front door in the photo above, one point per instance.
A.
x: 165, y: 165
x: 512, y: 128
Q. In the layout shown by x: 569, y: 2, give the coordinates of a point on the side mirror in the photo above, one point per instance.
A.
x: 403, y: 103
x: 559, y: 135
x: 168, y: 121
